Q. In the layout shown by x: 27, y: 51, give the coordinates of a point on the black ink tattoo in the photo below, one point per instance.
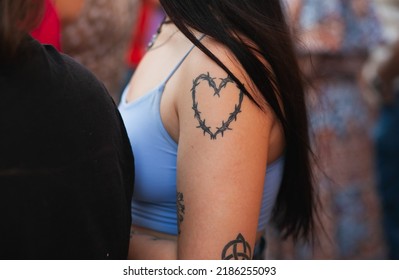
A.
x: 237, y: 249
x: 180, y: 209
x: 217, y: 90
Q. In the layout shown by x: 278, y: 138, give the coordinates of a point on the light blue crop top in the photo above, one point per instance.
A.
x: 155, y: 152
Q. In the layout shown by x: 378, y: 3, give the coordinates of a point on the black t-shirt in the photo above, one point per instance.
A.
x: 66, y: 165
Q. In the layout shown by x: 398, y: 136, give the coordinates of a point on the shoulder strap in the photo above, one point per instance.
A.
x: 182, y: 60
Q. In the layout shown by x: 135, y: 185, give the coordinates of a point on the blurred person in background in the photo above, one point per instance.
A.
x: 149, y: 18
x: 56, y: 14
x: 49, y: 29
x: 99, y: 37
x: 335, y: 39
x: 68, y: 10
x: 382, y: 72
x: 66, y: 166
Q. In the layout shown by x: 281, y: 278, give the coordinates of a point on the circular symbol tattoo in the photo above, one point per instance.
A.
x: 237, y: 249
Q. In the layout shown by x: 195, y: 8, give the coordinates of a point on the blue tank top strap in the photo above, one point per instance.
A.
x: 181, y: 61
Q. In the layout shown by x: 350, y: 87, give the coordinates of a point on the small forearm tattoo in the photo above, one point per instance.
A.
x: 180, y: 209
x: 217, y: 90
x: 238, y: 249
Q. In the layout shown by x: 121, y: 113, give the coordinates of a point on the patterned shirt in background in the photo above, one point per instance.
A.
x: 338, y: 35
x: 338, y: 26
x: 99, y: 39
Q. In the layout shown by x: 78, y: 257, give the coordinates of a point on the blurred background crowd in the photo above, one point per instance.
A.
x: 349, y: 53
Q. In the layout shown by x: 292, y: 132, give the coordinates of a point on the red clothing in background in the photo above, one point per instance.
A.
x: 149, y: 18
x: 49, y: 30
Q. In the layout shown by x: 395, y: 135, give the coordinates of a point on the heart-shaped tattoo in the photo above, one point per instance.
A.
x: 217, y: 91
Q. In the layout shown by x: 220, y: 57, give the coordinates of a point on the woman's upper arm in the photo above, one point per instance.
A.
x: 222, y: 155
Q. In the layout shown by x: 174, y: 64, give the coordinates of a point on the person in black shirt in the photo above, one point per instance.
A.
x: 66, y: 166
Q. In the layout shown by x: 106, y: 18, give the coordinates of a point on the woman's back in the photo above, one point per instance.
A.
x: 66, y: 168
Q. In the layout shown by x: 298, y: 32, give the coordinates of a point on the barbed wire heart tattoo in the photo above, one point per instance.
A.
x: 217, y: 90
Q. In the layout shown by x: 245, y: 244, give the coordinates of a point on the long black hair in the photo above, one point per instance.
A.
x: 267, y: 35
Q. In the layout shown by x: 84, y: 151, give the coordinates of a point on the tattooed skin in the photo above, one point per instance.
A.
x: 180, y: 209
x: 237, y: 249
x: 217, y: 91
